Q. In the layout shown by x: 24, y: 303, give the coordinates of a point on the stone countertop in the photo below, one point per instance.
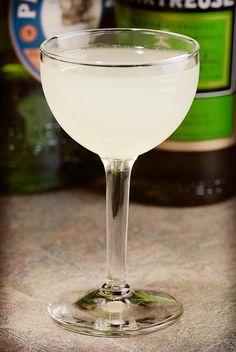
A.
x: 56, y: 241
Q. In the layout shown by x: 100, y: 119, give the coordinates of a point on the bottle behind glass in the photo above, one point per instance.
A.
x: 197, y: 164
x: 30, y: 157
x: 35, y: 153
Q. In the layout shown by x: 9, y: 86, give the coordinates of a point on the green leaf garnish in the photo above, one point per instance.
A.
x: 140, y: 297
x: 108, y: 296
x: 115, y: 171
x: 87, y: 301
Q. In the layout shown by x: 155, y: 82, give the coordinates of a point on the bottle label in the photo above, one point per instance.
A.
x: 33, y: 21
x: 209, y: 123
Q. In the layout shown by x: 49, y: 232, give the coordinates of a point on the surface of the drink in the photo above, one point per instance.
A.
x: 120, y: 112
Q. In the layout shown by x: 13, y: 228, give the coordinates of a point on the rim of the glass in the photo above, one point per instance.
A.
x: 181, y: 57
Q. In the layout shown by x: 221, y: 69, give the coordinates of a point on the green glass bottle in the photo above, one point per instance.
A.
x: 35, y: 153
x: 197, y: 164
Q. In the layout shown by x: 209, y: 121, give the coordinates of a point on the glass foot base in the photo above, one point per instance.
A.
x: 99, y: 314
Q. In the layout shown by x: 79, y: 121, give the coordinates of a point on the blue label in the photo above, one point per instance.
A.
x: 26, y: 33
x: 33, y: 21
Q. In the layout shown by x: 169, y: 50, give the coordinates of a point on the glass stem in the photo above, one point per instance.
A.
x: 118, y: 174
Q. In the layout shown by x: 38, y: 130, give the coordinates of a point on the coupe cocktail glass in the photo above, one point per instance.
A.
x: 119, y: 93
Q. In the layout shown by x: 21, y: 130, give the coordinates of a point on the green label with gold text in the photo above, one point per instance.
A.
x: 211, y: 114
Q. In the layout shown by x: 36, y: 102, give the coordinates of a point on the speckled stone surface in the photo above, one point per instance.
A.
x: 54, y: 242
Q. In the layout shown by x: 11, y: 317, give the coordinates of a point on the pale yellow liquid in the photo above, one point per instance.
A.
x: 119, y: 112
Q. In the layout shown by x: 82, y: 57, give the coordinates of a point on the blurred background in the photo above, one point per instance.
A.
x: 196, y: 166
